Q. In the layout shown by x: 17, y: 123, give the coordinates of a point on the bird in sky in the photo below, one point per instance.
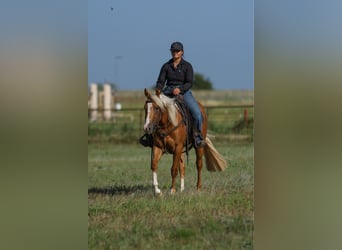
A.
x: 111, y: 8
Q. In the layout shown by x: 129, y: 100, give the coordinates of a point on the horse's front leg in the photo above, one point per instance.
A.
x: 174, y: 169
x: 182, y: 172
x: 156, y: 155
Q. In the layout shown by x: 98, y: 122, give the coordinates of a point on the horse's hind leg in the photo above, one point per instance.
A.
x: 182, y: 172
x: 199, y: 165
x: 156, y: 155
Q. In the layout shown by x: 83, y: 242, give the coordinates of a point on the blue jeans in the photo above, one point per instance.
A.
x: 195, y: 111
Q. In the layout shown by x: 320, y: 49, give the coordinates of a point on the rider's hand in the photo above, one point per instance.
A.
x: 176, y: 91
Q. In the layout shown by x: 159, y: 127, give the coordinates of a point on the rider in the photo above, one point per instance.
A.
x: 175, y: 78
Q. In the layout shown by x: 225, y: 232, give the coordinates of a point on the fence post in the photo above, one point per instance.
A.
x: 107, y: 102
x: 245, y: 115
x: 140, y: 121
x: 93, y: 102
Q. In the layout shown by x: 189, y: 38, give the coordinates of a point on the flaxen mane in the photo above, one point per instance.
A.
x: 168, y: 104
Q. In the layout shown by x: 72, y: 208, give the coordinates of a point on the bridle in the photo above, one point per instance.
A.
x: 156, y: 127
x: 156, y: 121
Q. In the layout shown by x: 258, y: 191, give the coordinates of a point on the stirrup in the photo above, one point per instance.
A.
x: 146, y: 140
x: 199, y: 141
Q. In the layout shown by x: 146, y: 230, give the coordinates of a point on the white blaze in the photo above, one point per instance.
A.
x: 149, y: 106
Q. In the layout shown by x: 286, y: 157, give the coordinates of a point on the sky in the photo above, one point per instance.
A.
x: 129, y: 44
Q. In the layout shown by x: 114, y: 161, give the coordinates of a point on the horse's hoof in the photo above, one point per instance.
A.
x: 172, y: 191
x: 157, y: 192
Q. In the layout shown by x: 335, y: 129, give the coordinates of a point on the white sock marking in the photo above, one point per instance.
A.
x: 155, y: 183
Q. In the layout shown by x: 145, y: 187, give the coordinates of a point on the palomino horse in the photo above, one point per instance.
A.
x: 165, y: 123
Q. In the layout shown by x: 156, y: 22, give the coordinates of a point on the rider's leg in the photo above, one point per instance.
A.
x: 195, y: 111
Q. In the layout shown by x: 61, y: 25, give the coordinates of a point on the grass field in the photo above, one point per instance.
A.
x: 124, y: 214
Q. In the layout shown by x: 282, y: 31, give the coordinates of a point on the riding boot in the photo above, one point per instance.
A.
x: 146, y: 140
x: 199, y: 140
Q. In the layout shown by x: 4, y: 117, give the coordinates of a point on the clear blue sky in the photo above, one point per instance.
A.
x: 129, y: 44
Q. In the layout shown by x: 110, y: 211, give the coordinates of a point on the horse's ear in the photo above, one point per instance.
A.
x: 158, y: 92
x: 147, y: 94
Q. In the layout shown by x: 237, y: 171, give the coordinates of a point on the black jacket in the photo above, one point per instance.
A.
x: 170, y: 78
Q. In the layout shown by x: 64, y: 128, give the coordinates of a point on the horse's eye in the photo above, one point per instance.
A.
x: 156, y: 108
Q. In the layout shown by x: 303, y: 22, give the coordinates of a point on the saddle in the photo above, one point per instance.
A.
x: 187, y: 119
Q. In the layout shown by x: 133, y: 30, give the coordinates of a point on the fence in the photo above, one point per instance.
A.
x: 222, y: 120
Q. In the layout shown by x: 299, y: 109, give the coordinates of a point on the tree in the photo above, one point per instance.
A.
x: 200, y: 82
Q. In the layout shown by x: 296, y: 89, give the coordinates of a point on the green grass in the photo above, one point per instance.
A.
x: 124, y: 214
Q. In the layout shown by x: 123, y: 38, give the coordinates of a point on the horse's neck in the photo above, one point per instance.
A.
x: 166, y: 121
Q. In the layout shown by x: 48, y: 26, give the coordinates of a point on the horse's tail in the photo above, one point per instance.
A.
x: 213, y: 159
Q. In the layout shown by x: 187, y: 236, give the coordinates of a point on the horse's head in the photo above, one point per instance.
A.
x: 153, y: 114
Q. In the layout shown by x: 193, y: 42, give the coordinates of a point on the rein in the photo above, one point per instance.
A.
x: 163, y: 134
x: 158, y: 128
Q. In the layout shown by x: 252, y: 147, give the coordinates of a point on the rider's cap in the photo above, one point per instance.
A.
x: 176, y: 46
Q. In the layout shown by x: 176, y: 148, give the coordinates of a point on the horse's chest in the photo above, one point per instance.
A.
x: 170, y: 145
x: 167, y: 144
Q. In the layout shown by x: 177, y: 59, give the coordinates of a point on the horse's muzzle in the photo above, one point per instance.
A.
x: 149, y: 129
